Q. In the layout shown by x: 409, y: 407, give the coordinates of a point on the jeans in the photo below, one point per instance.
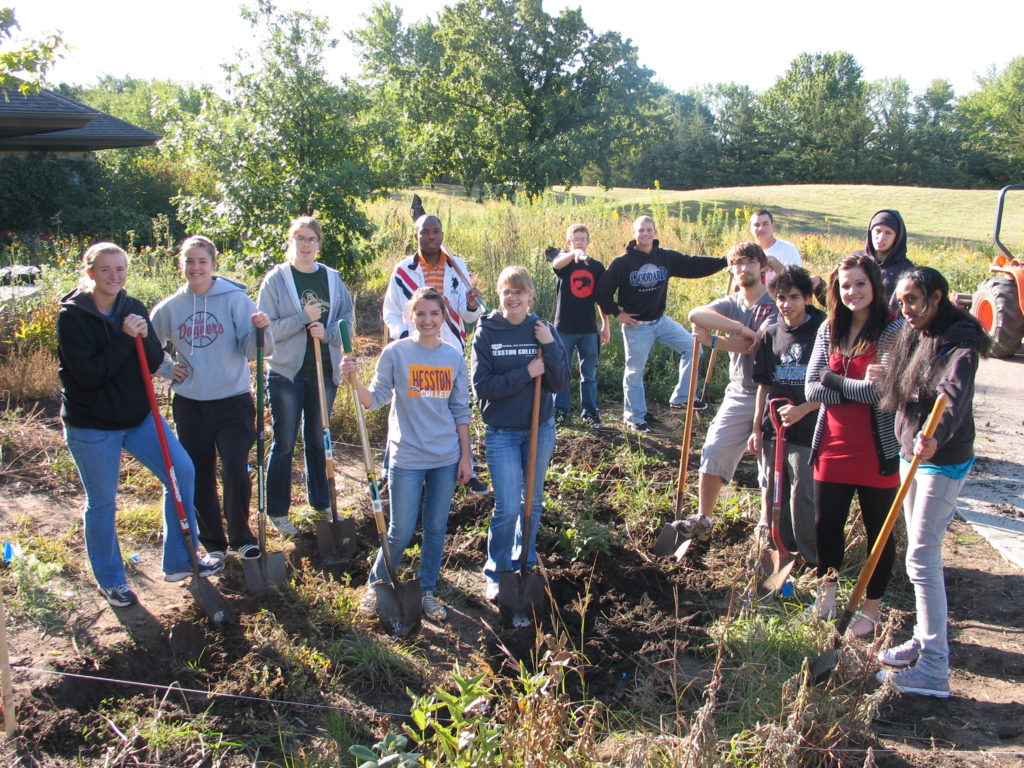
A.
x: 507, y: 454
x: 589, y: 350
x: 97, y: 454
x: 291, y: 401
x: 927, y: 510
x: 638, y: 341
x: 406, y: 488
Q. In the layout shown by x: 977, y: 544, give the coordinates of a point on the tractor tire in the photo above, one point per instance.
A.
x: 996, y: 307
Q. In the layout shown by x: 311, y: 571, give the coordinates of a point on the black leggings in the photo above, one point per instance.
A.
x: 832, y: 507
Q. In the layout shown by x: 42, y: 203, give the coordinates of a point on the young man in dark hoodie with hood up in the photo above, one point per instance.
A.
x: 780, y: 366
x: 640, y: 278
x: 887, y: 242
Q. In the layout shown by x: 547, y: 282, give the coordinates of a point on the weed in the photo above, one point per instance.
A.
x: 30, y: 377
x: 141, y: 522
x: 381, y: 665
x: 40, y: 593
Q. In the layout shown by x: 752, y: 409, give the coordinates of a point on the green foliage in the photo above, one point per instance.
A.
x: 26, y: 65
x: 281, y: 144
x: 456, y: 728
x: 40, y: 593
x: 386, y: 753
x: 994, y: 116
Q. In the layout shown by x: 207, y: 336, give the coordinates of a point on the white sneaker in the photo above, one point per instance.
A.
x: 368, y: 605
x: 491, y: 593
x: 903, y: 655
x: 432, y: 607
x: 284, y: 525
x: 913, y: 680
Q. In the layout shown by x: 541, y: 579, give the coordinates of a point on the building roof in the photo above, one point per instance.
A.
x: 48, y: 121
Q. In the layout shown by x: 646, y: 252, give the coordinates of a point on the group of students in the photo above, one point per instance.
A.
x: 869, y: 372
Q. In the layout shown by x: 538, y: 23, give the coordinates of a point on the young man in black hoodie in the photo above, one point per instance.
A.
x: 887, y: 242
x: 640, y: 278
x: 780, y: 366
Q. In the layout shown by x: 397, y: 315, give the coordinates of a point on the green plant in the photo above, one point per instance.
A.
x: 40, y: 592
x: 455, y: 728
x: 386, y: 753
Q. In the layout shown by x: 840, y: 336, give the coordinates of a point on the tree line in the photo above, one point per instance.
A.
x: 503, y: 98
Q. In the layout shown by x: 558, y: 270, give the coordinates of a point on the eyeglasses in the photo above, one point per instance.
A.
x: 513, y: 293
x: 306, y: 240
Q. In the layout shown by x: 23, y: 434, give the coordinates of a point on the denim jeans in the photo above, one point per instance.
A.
x: 638, y: 341
x: 589, y: 349
x: 291, y: 401
x: 507, y: 454
x: 406, y: 488
x: 927, y: 510
x: 97, y: 454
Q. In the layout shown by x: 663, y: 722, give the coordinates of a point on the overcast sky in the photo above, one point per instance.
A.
x: 687, y: 44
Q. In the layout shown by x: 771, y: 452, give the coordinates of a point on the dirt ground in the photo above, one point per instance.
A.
x: 642, y: 619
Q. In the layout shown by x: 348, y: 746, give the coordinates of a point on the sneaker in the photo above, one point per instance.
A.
x: 119, y: 597
x: 491, y: 592
x: 903, y: 655
x: 824, y: 607
x: 247, y: 552
x: 284, y: 525
x: 913, y: 680
x: 432, y: 608
x: 368, y: 605
x: 476, y: 485
x: 591, y: 419
x: 639, y: 426
x: 698, y: 405
x: 696, y: 526
x: 521, y: 620
x: 208, y: 567
x: 561, y: 418
x: 217, y: 555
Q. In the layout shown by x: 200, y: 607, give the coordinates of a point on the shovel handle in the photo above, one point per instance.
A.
x: 531, y: 474
x: 890, y: 521
x: 684, y: 456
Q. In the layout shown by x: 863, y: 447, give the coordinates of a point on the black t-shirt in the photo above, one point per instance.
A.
x: 574, y: 307
x: 312, y: 286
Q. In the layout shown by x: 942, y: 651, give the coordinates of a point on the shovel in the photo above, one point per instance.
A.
x: 336, y: 537
x: 670, y: 540
x: 399, y: 604
x: 820, y: 668
x: 522, y: 592
x: 714, y: 352
x: 270, y: 569
x: 780, y: 559
x: 210, y: 600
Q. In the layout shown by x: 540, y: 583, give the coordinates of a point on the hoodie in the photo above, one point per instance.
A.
x: 99, y: 368
x: 896, y: 261
x: 213, y: 334
x: 952, y: 373
x: 501, y: 352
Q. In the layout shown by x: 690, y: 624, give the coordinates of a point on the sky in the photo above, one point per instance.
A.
x: 687, y: 44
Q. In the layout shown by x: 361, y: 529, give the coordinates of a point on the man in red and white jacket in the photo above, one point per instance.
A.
x: 434, y: 266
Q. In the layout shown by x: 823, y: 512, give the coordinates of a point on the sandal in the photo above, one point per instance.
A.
x: 862, y: 635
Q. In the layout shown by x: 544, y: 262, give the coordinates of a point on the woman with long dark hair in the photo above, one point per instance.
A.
x: 936, y: 352
x: 854, y: 447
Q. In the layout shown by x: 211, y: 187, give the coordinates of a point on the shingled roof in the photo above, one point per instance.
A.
x: 47, y: 121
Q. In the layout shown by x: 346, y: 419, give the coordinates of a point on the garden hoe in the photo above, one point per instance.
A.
x: 670, y: 540
x: 778, y: 559
x: 336, y: 536
x: 270, y: 569
x: 522, y: 592
x: 210, y: 600
x: 821, y: 668
x: 399, y: 604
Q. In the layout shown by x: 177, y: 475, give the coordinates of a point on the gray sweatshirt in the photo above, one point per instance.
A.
x: 429, y: 394
x: 213, y: 335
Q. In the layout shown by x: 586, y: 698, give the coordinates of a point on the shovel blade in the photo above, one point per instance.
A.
x: 211, y: 601
x: 821, y: 668
x: 782, y: 565
x: 668, y: 541
x: 519, y: 593
x: 268, y: 571
x: 399, y: 607
x: 336, y: 539
x: 255, y: 582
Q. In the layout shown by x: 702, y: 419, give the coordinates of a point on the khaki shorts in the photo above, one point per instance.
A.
x: 726, y: 440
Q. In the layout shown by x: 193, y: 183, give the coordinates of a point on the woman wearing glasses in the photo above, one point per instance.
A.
x: 511, y: 347
x: 304, y: 301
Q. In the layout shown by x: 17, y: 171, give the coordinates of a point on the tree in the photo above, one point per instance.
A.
x: 993, y: 118
x: 501, y: 93
x: 26, y: 66
x: 890, y: 143
x: 284, y: 142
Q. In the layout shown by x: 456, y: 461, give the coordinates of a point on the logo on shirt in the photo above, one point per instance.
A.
x: 789, y: 370
x: 308, y: 297
x: 430, y: 381
x: 581, y: 284
x: 200, y: 329
x: 514, y: 350
x: 648, y: 277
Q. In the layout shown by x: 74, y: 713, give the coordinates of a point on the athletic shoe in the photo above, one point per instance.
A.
x: 562, y: 418
x: 217, y: 555
x: 696, y: 526
x: 476, y: 485
x: 368, y: 605
x: 903, y: 655
x: 639, y: 426
x: 119, y: 597
x: 698, y: 405
x: 521, y: 620
x: 208, y: 567
x: 913, y: 680
x: 591, y: 419
x: 432, y: 608
x: 491, y: 592
x: 247, y: 552
x: 284, y: 525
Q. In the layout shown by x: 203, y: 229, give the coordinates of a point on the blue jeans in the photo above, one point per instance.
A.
x: 97, y: 454
x: 291, y: 401
x: 638, y: 341
x: 589, y: 349
x: 406, y: 487
x: 507, y: 454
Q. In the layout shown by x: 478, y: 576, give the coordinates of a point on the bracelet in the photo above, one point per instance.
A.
x: 714, y: 340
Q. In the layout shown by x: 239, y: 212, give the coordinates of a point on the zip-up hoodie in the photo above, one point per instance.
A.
x: 213, y: 335
x: 501, y: 352
x: 641, y: 279
x: 103, y: 386
x: 952, y: 373
x: 896, y: 261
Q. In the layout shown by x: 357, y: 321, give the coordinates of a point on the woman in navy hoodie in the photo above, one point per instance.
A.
x: 511, y: 348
